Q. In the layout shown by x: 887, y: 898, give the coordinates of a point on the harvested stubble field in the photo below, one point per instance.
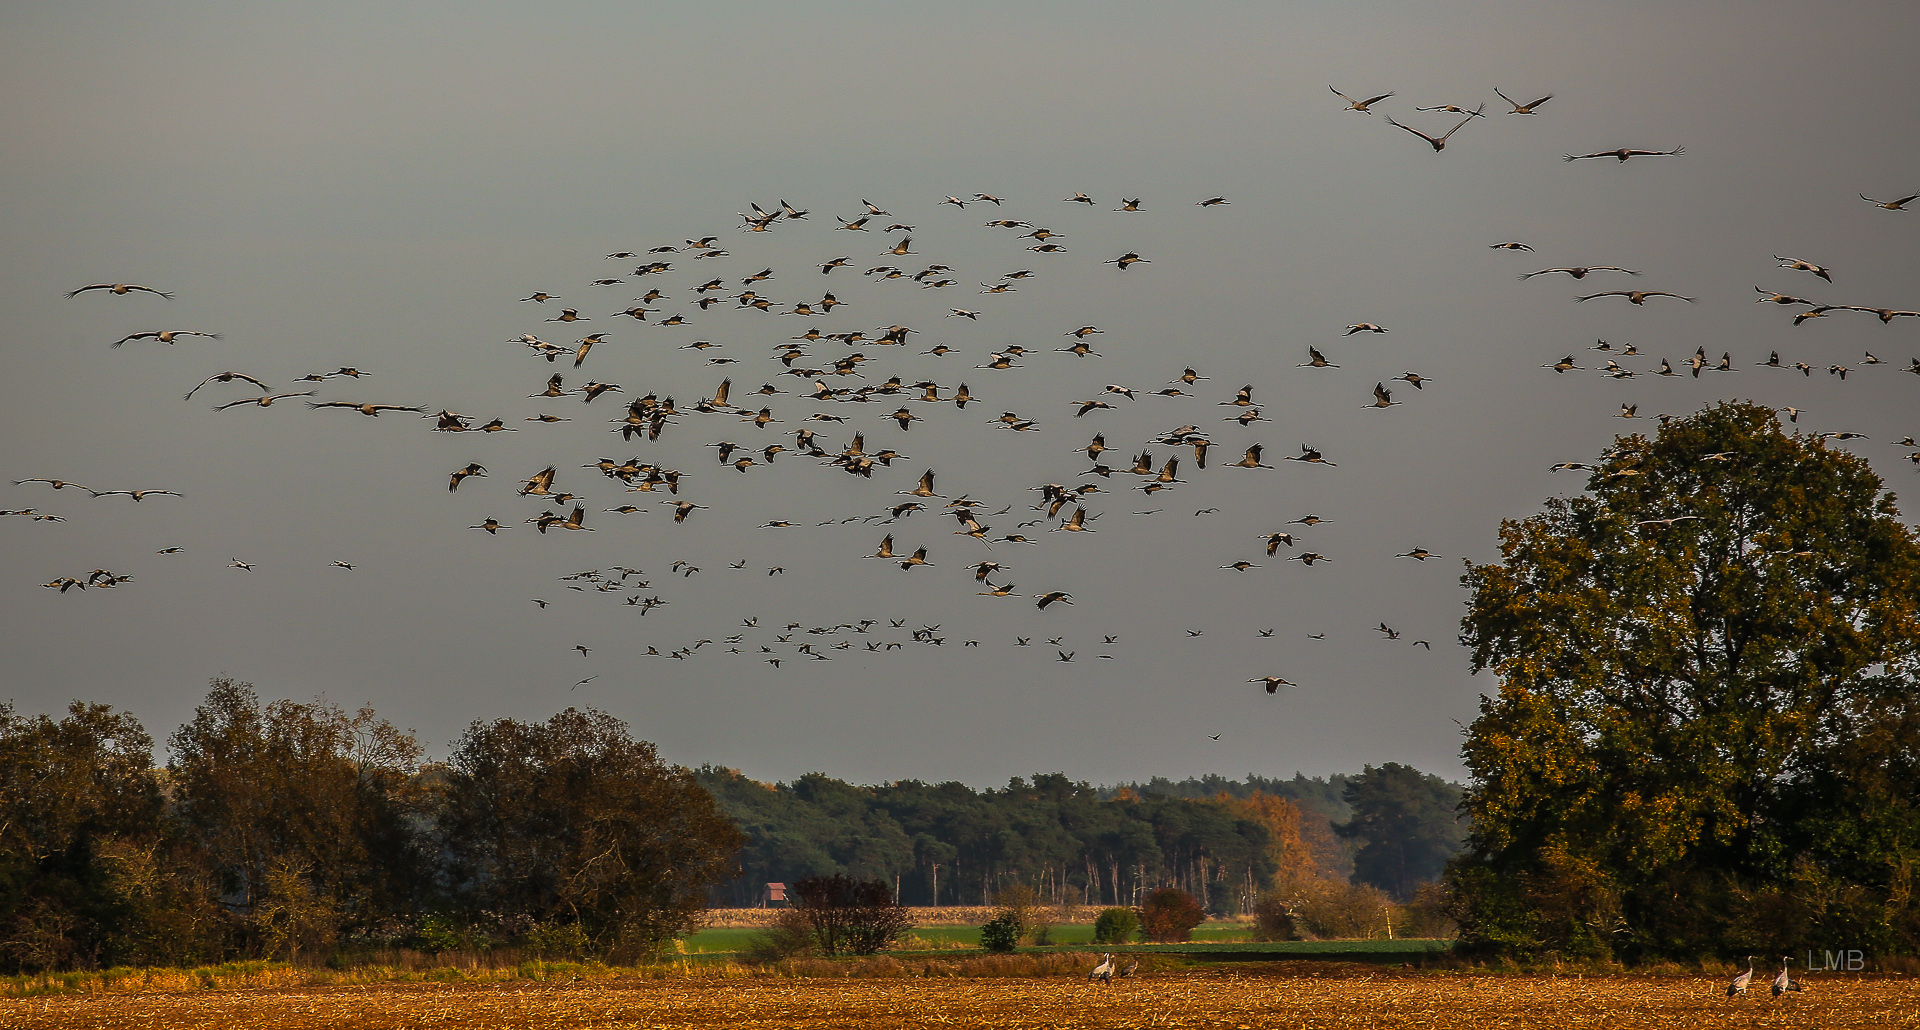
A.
x: 1282, y: 995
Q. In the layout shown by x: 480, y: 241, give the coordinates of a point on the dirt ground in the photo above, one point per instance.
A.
x: 1229, y: 999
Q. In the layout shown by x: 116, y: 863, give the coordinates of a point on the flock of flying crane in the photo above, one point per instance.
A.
x: 816, y: 404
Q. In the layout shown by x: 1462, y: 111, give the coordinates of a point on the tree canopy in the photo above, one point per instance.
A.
x: 288, y: 828
x: 574, y: 823
x: 1224, y: 841
x: 1408, y: 825
x: 77, y: 797
x: 1707, y: 731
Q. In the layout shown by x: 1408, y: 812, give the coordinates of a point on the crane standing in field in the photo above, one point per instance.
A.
x: 1783, y: 983
x: 1104, y: 971
x: 1740, y: 982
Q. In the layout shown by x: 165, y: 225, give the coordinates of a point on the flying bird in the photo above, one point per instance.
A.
x: 1622, y: 154
x: 372, y: 410
x: 264, y: 402
x: 1891, y: 205
x: 1771, y: 297
x: 122, y: 289
x: 1311, y: 456
x: 1437, y: 143
x: 166, y: 336
x: 1580, y: 271
x: 453, y: 483
x: 1360, y: 105
x: 1251, y: 460
x: 1519, y: 108
x: 1634, y: 296
x: 918, y: 557
x: 1803, y: 266
x: 135, y: 494
x: 227, y: 377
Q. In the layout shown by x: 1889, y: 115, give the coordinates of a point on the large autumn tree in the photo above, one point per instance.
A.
x: 79, y: 807
x: 302, y: 811
x: 1707, y: 732
x: 572, y: 828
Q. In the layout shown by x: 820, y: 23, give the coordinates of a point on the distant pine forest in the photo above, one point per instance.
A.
x: 1225, y: 841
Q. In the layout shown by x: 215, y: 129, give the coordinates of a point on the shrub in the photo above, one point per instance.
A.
x: 1116, y: 926
x: 1428, y: 914
x: 849, y: 915
x: 1001, y: 933
x: 789, y: 936
x: 1273, y: 919
x: 443, y: 932
x: 1334, y: 910
x: 1024, y: 904
x: 1169, y: 915
x: 556, y: 939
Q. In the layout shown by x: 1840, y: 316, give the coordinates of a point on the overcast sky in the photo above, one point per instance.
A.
x: 376, y: 186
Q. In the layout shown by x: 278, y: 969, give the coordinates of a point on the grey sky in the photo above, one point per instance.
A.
x: 365, y: 185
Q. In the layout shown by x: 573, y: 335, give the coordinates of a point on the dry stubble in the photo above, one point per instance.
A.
x: 1232, y: 999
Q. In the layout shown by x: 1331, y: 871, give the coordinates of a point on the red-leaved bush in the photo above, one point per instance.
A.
x: 1168, y: 916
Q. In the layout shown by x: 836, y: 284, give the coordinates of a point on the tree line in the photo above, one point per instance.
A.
x: 1223, y: 841
x: 289, y: 829
x: 299, y: 830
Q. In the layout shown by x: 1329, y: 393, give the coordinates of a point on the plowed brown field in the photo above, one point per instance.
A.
x: 1233, y: 999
